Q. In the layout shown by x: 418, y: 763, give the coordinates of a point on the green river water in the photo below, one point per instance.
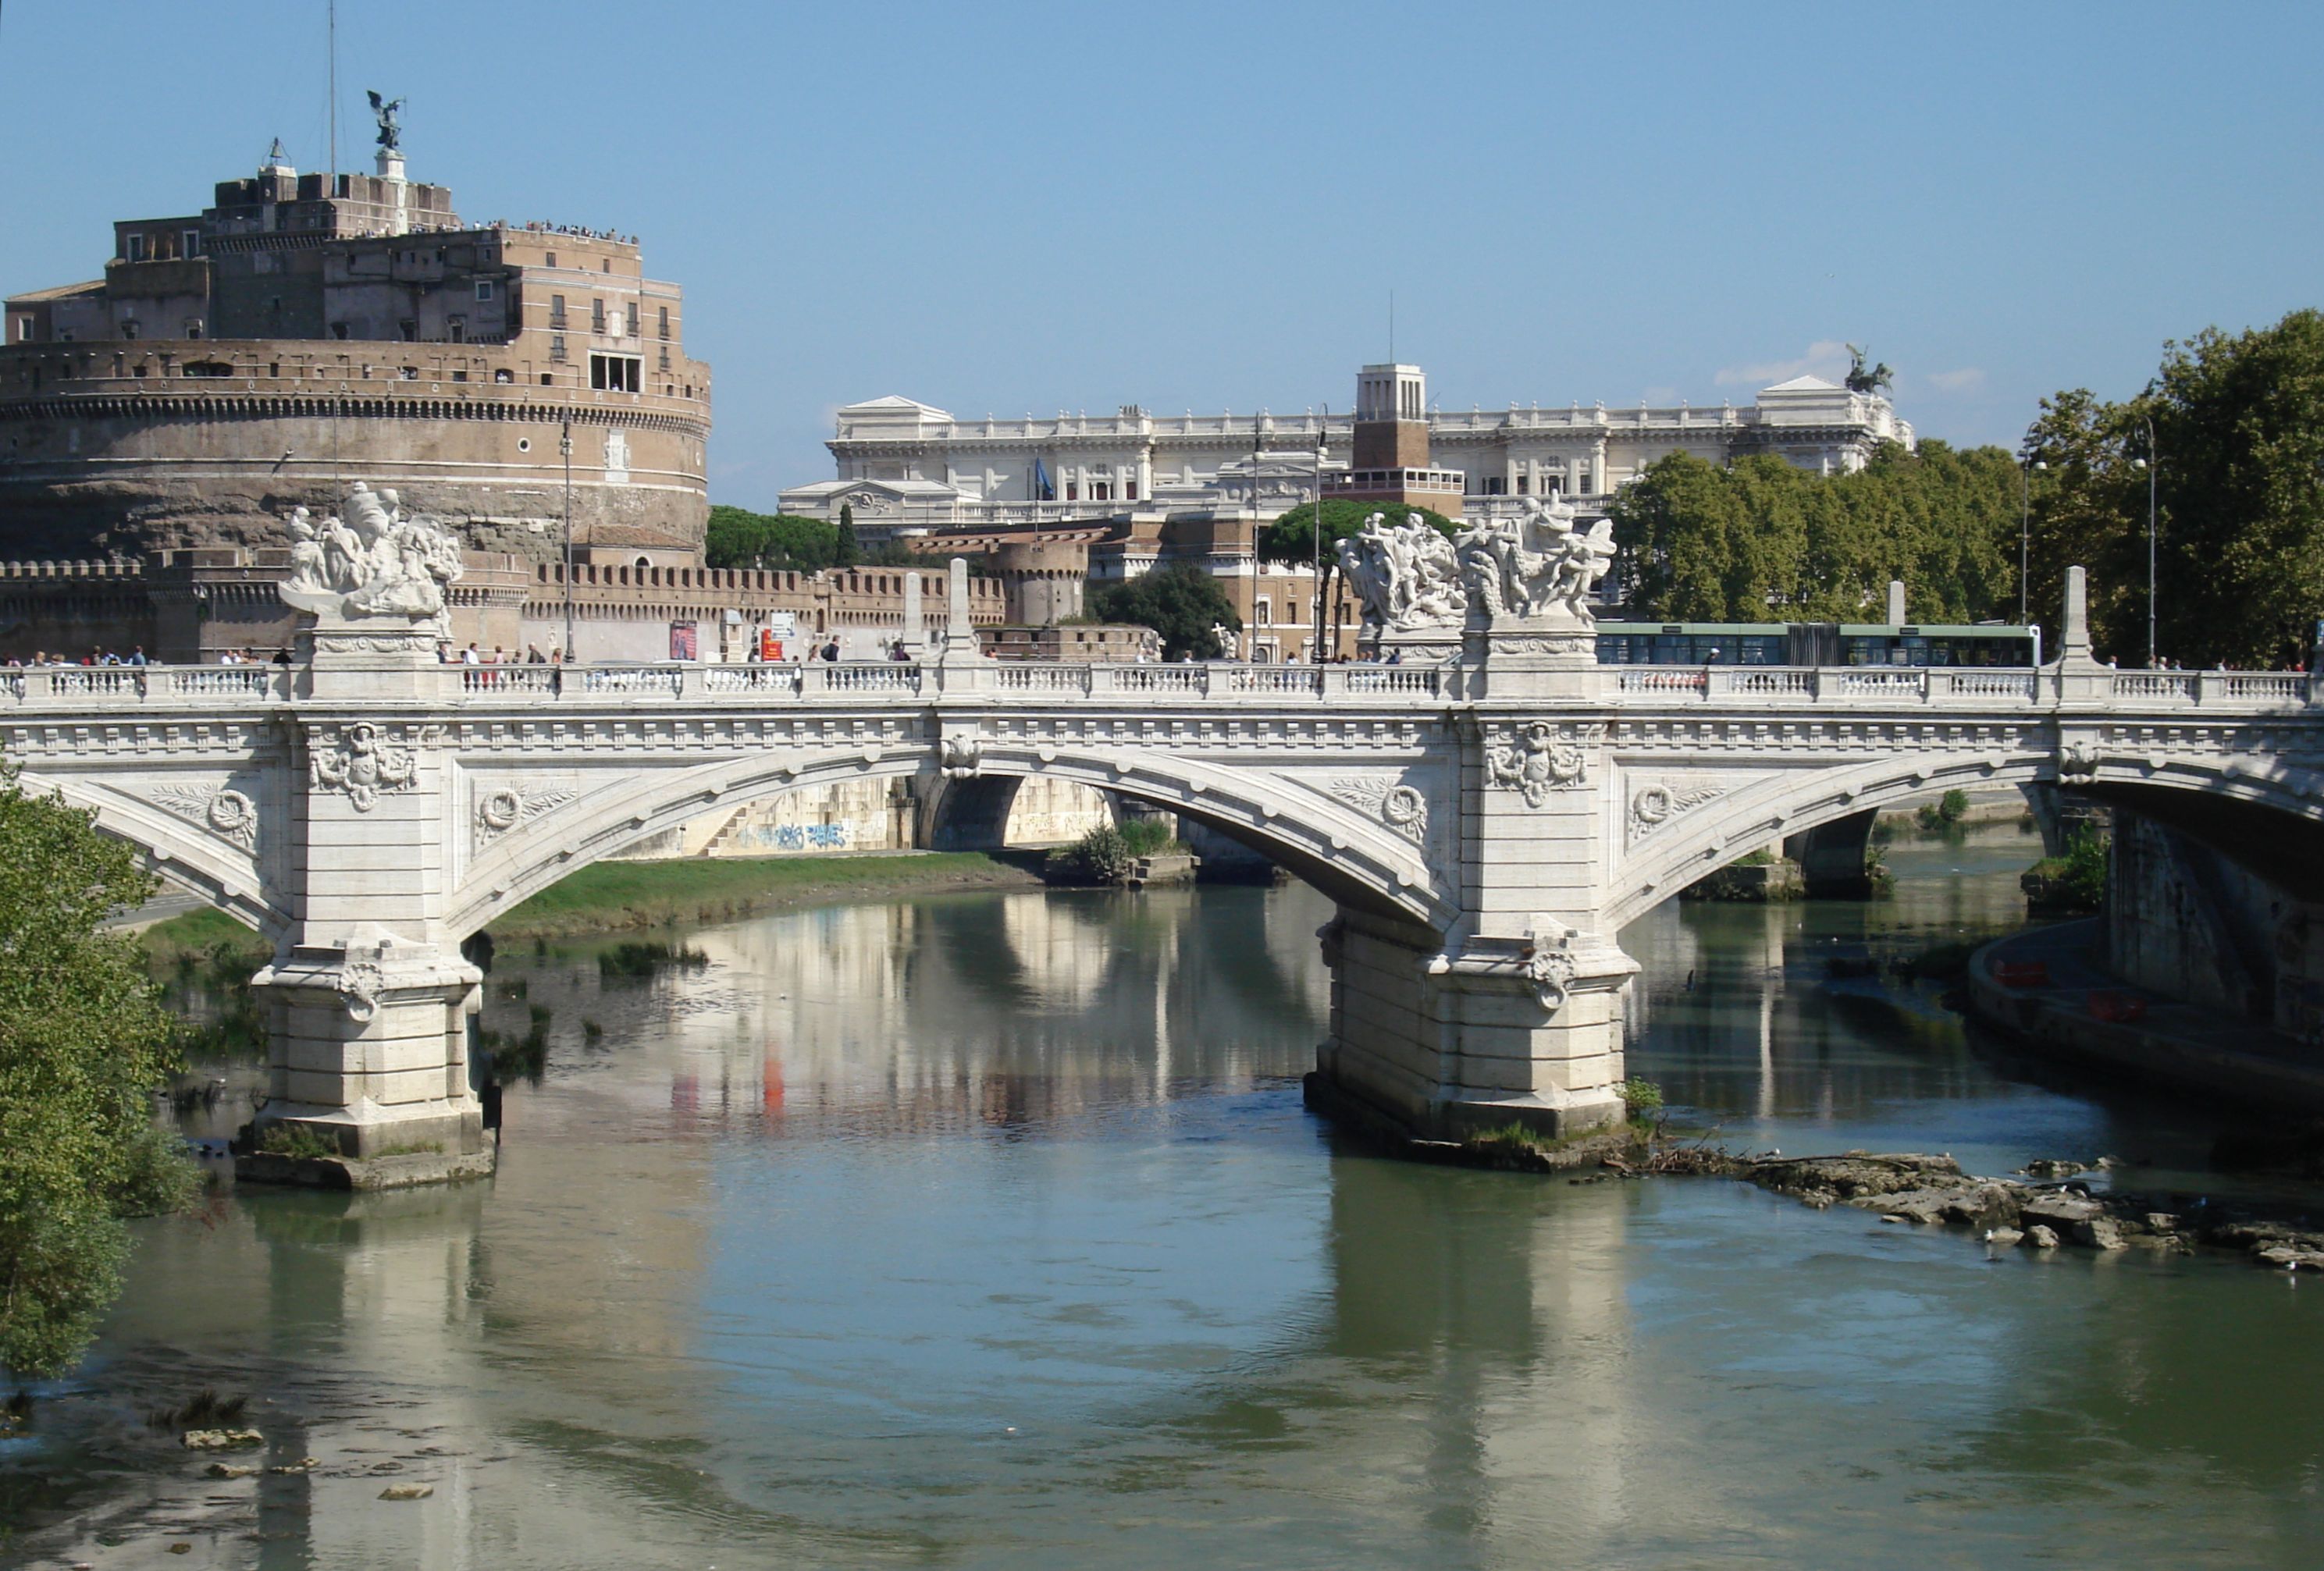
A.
x: 990, y: 1231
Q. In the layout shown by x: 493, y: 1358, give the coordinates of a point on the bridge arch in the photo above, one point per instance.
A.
x: 1357, y: 861
x: 1793, y: 801
x: 180, y: 851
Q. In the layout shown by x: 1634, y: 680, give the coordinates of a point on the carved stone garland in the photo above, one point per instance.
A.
x: 1652, y: 806
x: 1401, y: 807
x: 503, y: 807
x: 229, y: 815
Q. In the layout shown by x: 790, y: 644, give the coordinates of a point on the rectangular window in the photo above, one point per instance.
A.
x: 408, y: 330
x: 193, y: 327
x: 338, y: 329
x: 129, y: 328
x: 136, y: 248
x: 556, y: 311
x: 1129, y: 490
x: 555, y: 348
x: 633, y: 318
x: 616, y: 372
x: 1263, y: 613
x: 1523, y: 481
x: 483, y: 288
x: 665, y: 324
x: 457, y: 329
x: 1073, y: 490
x: 552, y: 259
x: 1101, y: 490
x: 665, y: 360
x: 189, y: 243
x: 596, y: 315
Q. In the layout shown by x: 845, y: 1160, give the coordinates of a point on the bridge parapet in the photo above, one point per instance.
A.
x: 1616, y: 688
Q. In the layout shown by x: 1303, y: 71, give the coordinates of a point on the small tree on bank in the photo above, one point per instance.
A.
x: 84, y: 1041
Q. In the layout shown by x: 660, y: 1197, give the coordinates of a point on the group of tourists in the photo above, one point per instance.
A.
x: 95, y: 656
x: 447, y: 654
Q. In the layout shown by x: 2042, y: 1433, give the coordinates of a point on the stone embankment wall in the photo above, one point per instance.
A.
x: 2192, y: 923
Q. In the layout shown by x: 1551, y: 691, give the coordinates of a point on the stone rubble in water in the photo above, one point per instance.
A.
x: 221, y: 1439
x: 406, y: 1492
x: 1913, y: 1186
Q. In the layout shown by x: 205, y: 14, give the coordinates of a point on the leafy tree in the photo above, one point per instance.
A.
x: 2083, y: 497
x: 782, y: 541
x: 84, y: 1041
x: 2237, y: 429
x: 1292, y: 539
x: 1181, y: 602
x: 1762, y: 540
x: 2239, y: 426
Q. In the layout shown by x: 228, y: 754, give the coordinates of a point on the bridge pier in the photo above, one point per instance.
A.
x: 368, y: 1066
x: 1443, y: 1046
x: 367, y: 1000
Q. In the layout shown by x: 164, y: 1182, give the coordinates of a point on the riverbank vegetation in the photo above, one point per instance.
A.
x: 84, y: 1044
x: 1107, y: 855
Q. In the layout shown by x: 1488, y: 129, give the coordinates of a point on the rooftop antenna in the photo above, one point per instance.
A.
x: 1391, y: 326
x: 331, y: 109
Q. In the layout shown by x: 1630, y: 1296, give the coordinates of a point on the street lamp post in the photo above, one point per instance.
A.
x: 2025, y: 469
x: 1315, y: 563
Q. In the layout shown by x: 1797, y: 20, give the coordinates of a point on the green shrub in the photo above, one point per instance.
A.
x: 297, y: 1141
x: 1641, y: 1099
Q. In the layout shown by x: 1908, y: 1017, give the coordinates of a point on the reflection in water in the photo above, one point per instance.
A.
x: 989, y: 1230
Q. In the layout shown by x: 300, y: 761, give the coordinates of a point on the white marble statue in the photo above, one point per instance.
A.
x: 1536, y: 566
x: 1228, y: 645
x: 1405, y: 575
x: 373, y: 562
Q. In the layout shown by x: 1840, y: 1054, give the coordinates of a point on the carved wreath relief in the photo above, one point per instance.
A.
x: 503, y: 807
x: 1400, y: 807
x: 1540, y: 762
x: 361, y: 765
x: 229, y: 815
x: 1652, y: 806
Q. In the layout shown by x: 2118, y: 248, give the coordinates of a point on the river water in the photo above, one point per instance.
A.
x: 989, y: 1230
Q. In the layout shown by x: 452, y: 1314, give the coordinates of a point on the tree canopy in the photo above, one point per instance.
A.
x: 1181, y: 602
x: 788, y: 543
x: 84, y: 1041
x: 2237, y: 425
x: 1762, y: 540
x: 1291, y: 539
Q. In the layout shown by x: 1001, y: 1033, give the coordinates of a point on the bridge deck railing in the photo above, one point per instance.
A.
x: 82, y: 688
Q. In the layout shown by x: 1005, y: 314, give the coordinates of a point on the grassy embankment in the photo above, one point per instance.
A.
x: 610, y: 896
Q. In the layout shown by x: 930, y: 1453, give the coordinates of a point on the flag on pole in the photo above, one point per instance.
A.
x: 1042, y: 489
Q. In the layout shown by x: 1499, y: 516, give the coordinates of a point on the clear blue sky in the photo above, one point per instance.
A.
x: 1014, y: 209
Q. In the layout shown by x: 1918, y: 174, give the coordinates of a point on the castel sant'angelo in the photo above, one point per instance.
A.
x: 309, y: 330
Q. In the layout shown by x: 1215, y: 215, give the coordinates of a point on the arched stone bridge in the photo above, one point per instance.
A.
x: 1486, y: 826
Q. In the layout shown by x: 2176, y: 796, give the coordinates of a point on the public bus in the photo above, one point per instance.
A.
x: 1815, y: 644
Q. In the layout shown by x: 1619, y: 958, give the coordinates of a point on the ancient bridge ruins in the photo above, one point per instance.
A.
x: 1486, y: 820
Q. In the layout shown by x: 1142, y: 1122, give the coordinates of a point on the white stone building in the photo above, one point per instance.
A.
x: 903, y: 464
